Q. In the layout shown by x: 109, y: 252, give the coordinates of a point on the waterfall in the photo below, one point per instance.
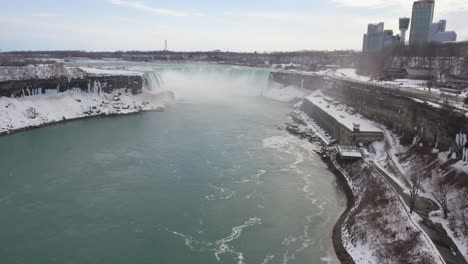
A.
x: 152, y: 81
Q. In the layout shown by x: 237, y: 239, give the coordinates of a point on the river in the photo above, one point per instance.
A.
x: 213, y: 179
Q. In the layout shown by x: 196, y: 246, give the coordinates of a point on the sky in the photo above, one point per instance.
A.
x: 204, y: 25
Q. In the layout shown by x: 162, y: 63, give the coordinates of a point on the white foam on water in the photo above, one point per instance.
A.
x: 221, y: 246
x: 268, y: 258
x: 295, y: 245
x: 259, y: 174
x: 254, y: 178
x: 299, y: 151
x: 190, y: 242
x: 220, y: 193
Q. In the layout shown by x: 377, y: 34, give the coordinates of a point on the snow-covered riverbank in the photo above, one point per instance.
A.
x: 378, y: 222
x: 18, y: 114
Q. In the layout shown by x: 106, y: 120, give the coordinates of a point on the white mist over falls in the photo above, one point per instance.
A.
x: 202, y: 83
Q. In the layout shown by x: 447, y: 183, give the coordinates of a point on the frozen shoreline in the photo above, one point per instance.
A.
x: 352, y: 243
x: 20, y: 114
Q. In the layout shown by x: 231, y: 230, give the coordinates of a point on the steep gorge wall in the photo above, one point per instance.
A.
x: 398, y: 112
x: 107, y: 84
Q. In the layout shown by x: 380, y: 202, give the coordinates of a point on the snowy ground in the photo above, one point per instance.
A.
x: 311, y: 126
x: 388, y: 157
x: 379, y: 226
x: 408, y: 83
x: 341, y: 112
x: 34, y: 111
x: 100, y: 72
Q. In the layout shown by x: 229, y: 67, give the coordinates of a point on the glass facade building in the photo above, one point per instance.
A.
x: 423, y: 14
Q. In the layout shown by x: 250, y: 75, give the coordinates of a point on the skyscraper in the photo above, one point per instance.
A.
x: 378, y: 38
x: 423, y: 14
x: 438, y: 34
x: 373, y: 40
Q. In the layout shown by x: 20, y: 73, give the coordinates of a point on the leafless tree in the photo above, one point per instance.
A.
x: 463, y: 203
x: 441, y: 197
x: 415, y: 182
x: 465, y: 64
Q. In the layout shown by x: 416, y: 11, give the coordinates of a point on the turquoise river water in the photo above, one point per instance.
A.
x: 210, y: 180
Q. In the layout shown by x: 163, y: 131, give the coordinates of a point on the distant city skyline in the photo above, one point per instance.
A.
x: 274, y: 25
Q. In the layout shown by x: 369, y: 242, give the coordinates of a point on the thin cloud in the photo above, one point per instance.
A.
x: 368, y: 3
x: 45, y: 15
x: 443, y: 7
x: 147, y: 8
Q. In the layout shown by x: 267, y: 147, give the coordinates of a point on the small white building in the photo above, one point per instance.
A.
x: 349, y: 152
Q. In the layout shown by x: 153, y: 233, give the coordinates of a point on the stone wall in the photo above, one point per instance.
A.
x: 399, y: 112
x: 296, y: 79
x: 107, y: 83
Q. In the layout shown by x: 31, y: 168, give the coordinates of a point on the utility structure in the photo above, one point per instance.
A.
x: 165, y: 45
x: 404, y: 26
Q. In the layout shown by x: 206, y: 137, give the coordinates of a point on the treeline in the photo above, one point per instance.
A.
x: 343, y: 58
x: 7, y: 59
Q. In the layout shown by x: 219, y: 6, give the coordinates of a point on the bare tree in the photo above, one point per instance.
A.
x: 465, y: 65
x: 463, y: 204
x: 441, y: 198
x: 415, y: 182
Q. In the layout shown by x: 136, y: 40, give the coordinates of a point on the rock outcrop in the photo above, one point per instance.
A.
x: 433, y: 124
x: 42, y: 79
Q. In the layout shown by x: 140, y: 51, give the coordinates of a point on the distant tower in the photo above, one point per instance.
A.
x: 165, y: 44
x: 404, y: 26
x: 423, y: 14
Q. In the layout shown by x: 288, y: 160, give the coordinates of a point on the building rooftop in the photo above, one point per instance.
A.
x: 342, y: 113
x: 351, y: 152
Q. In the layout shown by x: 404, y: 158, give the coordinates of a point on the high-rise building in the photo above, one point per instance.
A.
x: 377, y: 38
x: 373, y: 40
x: 423, y: 14
x: 404, y: 26
x: 364, y: 43
x: 438, y: 34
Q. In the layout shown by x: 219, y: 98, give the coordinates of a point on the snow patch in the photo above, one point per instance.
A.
x: 35, y: 111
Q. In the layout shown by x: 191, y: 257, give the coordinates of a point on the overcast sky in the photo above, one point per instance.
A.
x: 235, y: 25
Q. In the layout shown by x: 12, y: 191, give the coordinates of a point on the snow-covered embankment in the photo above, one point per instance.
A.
x: 38, y: 106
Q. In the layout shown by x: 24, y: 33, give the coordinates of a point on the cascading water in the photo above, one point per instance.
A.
x: 152, y: 81
x: 196, y: 82
x: 202, y: 82
x: 206, y: 82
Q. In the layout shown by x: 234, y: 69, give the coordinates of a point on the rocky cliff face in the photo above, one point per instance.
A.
x: 409, y: 118
x: 297, y: 79
x: 107, y: 84
x: 27, y: 80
